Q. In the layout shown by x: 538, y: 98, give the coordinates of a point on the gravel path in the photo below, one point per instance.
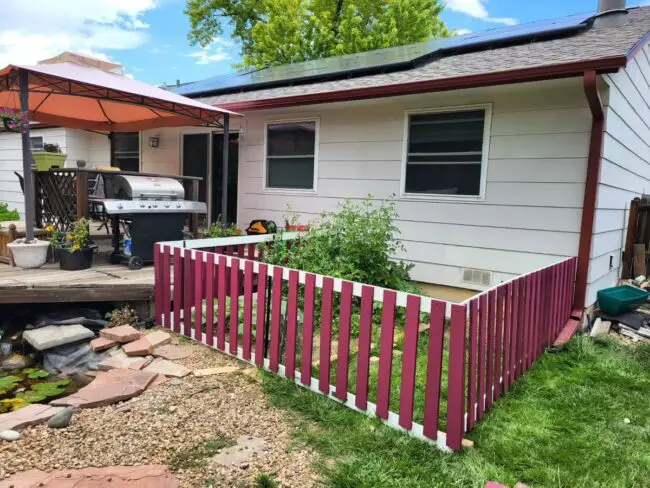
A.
x: 170, y: 424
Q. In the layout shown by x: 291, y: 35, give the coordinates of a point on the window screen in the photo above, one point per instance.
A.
x: 126, y: 151
x: 290, y: 149
x: 36, y: 143
x: 445, y: 153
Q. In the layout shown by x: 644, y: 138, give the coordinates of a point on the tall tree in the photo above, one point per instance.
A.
x: 274, y: 32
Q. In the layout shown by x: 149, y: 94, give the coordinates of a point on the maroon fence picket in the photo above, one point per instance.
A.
x: 284, y: 314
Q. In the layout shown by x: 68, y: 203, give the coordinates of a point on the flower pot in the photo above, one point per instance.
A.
x: 29, y: 255
x: 46, y: 160
x: 74, y: 261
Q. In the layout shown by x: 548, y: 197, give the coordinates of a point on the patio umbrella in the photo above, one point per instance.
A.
x: 69, y: 95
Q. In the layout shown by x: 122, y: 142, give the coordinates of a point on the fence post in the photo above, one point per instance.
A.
x: 158, y: 283
x: 82, y: 194
x: 456, y: 378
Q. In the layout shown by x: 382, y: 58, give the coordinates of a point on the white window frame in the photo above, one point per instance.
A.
x: 291, y: 191
x: 485, y: 156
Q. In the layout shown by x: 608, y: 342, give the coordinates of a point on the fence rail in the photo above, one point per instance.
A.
x: 362, y: 345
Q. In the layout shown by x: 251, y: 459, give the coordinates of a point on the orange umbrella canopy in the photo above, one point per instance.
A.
x: 70, y: 95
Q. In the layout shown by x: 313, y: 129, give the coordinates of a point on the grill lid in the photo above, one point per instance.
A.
x: 146, y: 187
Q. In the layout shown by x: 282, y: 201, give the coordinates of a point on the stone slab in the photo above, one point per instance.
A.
x: 118, y: 361
x: 246, y: 449
x: 109, y: 387
x: 151, y: 476
x: 29, y: 415
x: 172, y: 352
x: 600, y: 327
x: 163, y: 366
x: 158, y: 338
x: 141, y: 347
x: 102, y: 344
x: 56, y: 335
x: 158, y: 380
x: 121, y: 334
x: 213, y: 371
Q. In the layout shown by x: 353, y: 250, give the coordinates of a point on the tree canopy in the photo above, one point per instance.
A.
x: 274, y: 32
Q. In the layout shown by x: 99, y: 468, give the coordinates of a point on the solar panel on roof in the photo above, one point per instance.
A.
x: 392, y: 58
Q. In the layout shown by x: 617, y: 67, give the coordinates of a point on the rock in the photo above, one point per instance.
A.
x: 212, y: 371
x: 56, y: 335
x: 108, y: 388
x: 62, y: 419
x: 600, y: 327
x: 247, y: 448
x: 152, y: 476
x: 29, y: 415
x: 9, y: 435
x: 167, y: 368
x: 15, y: 361
x: 102, y: 343
x: 82, y: 378
x: 172, y: 352
x: 158, y: 380
x: 139, y: 364
x: 141, y: 347
x: 176, y: 382
x: 119, y: 361
x: 244, y: 466
x: 121, y: 334
x: 158, y: 338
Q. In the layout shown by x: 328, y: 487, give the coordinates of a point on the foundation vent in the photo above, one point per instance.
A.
x: 477, y: 277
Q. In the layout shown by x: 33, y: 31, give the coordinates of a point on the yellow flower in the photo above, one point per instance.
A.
x: 49, y: 228
x: 69, y: 237
x: 76, y: 247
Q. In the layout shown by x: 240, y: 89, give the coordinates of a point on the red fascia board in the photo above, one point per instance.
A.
x: 565, y: 70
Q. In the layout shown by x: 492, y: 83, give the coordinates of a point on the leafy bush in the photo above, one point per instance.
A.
x: 355, y: 243
x: 6, y: 214
x: 78, y: 237
x: 219, y: 229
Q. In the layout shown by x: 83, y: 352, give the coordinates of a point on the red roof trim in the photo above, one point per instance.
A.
x: 565, y: 70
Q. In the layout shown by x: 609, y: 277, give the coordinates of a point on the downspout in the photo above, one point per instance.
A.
x: 591, y: 189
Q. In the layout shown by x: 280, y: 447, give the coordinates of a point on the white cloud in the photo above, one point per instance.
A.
x: 477, y: 9
x: 39, y: 29
x: 461, y: 32
x: 213, y: 53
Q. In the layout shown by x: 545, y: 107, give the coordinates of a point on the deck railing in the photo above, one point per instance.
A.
x: 378, y: 351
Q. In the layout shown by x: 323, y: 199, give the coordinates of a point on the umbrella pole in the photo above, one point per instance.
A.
x: 28, y: 175
x: 224, y: 172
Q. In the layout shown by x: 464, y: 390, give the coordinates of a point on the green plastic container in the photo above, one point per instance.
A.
x: 45, y: 160
x: 621, y: 299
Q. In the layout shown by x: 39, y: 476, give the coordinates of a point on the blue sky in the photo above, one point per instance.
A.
x: 149, y: 37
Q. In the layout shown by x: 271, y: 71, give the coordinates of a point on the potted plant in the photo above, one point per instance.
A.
x: 74, y: 248
x: 50, y: 157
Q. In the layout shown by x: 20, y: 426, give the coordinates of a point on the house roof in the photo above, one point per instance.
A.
x: 602, y: 49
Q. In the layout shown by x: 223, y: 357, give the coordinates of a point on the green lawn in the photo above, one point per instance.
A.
x: 561, y: 425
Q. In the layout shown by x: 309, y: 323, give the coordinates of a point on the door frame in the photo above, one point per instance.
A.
x: 208, y: 187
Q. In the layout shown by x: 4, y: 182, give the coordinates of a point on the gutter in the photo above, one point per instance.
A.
x: 554, y: 71
x: 591, y: 189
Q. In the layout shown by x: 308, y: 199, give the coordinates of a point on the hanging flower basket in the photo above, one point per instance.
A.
x: 10, y: 119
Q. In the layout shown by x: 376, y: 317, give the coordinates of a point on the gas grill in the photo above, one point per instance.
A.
x: 150, y: 209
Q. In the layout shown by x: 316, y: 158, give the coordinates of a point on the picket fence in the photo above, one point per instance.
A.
x: 219, y: 293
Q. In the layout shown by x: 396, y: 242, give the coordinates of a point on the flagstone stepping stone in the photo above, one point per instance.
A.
x: 172, y: 352
x: 141, y: 347
x: 158, y: 338
x: 212, y: 371
x: 163, y: 366
x: 102, y: 344
x: 29, y: 415
x: 56, y: 335
x: 151, y: 476
x: 121, y: 334
x: 120, y: 361
x: 109, y: 387
x: 246, y: 449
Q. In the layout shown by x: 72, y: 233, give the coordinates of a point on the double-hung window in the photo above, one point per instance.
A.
x: 446, y: 152
x: 291, y: 155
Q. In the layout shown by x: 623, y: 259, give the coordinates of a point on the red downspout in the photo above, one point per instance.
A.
x: 591, y: 189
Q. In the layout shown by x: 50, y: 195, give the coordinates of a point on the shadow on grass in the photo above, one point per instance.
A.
x: 561, y: 425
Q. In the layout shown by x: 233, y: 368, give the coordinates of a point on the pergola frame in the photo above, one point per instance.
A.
x: 17, y: 80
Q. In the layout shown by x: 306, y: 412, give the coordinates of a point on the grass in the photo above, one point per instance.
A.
x: 197, y: 455
x: 561, y: 425
x: 264, y: 480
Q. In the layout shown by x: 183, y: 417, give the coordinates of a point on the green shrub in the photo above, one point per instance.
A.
x: 219, y: 229
x: 355, y: 243
x: 6, y: 214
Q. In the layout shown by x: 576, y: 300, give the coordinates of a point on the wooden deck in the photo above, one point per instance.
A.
x: 49, y: 284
